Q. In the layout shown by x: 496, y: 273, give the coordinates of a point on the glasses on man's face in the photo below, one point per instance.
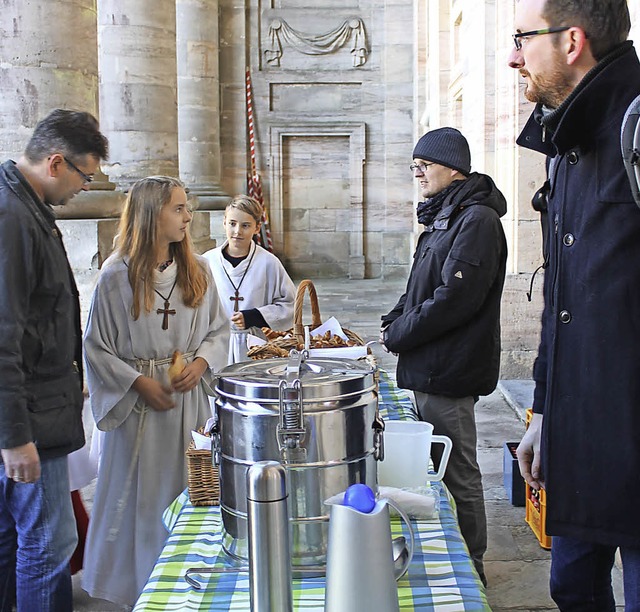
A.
x: 420, y: 166
x: 87, y: 178
x: 520, y: 35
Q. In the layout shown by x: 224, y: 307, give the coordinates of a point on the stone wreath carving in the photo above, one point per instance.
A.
x: 280, y: 31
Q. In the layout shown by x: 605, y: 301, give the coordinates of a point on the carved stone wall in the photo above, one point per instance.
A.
x: 333, y: 104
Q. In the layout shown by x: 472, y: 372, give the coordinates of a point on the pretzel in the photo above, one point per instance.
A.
x: 177, y: 365
x: 272, y: 334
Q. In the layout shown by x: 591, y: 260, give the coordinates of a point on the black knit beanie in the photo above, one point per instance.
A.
x: 445, y: 146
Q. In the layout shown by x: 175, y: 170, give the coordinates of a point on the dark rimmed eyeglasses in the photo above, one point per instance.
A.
x: 518, y: 43
x: 87, y: 178
x: 422, y: 167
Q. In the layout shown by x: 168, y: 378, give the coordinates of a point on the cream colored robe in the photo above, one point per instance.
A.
x: 266, y: 286
x: 143, y: 465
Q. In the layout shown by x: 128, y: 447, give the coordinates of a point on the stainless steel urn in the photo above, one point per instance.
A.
x: 319, y: 418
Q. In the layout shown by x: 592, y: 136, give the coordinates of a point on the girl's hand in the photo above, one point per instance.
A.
x: 155, y: 394
x: 237, y: 318
x: 190, y: 376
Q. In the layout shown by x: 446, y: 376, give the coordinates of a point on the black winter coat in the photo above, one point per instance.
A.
x: 588, y: 367
x: 40, y: 340
x: 446, y: 326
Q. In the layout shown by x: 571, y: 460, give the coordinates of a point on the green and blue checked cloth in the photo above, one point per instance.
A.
x: 441, y: 575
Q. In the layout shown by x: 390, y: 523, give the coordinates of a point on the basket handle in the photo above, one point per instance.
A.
x: 316, y: 321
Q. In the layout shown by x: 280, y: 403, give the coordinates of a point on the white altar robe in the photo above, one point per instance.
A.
x: 143, y: 464
x: 266, y: 286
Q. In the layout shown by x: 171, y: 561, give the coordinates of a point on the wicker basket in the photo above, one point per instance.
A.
x: 203, y: 481
x: 280, y: 347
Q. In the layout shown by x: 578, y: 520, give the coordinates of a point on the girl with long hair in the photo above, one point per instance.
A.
x: 154, y: 297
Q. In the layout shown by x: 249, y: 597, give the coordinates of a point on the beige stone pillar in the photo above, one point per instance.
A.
x: 138, y: 87
x: 199, y: 100
x: 48, y: 59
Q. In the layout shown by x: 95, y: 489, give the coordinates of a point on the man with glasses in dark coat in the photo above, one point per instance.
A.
x: 583, y: 443
x: 40, y: 362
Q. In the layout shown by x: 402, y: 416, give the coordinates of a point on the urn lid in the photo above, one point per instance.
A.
x: 320, y: 378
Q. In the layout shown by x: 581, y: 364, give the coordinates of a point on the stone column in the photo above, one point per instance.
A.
x: 138, y: 87
x: 199, y: 100
x: 48, y: 59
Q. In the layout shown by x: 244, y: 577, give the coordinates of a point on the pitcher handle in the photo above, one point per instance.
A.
x: 448, y: 445
x: 412, y: 538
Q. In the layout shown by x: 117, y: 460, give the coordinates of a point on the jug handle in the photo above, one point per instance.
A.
x: 445, y: 456
x: 412, y: 538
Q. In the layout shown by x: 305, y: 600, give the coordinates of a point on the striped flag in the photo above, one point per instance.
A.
x: 254, y: 184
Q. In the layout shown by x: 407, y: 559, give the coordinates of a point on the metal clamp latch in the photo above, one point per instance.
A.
x: 378, y: 437
x: 215, y: 445
x: 290, y: 430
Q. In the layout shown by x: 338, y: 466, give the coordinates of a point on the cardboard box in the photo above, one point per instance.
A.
x: 513, y: 482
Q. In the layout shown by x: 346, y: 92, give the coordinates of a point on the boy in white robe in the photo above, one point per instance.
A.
x: 147, y: 419
x: 255, y: 289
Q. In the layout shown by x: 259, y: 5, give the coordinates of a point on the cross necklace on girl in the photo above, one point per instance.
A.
x: 166, y: 311
x: 237, y: 297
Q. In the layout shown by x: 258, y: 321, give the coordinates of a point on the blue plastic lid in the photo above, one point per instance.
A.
x: 360, y: 497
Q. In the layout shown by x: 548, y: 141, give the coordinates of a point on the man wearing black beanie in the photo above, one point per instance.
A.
x: 445, y: 328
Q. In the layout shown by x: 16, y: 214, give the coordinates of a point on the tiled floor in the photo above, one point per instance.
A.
x: 516, y: 566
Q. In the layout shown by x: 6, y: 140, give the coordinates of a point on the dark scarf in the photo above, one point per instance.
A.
x: 428, y: 210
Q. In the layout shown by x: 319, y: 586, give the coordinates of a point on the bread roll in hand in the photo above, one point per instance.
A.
x: 177, y: 365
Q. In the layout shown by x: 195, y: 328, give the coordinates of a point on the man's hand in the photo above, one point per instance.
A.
x: 190, y: 376
x: 528, y: 453
x: 381, y: 341
x: 22, y: 463
x: 154, y: 393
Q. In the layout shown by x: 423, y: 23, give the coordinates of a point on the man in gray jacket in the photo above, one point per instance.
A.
x: 40, y: 361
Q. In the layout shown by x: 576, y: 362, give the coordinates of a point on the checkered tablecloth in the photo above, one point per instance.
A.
x: 441, y: 574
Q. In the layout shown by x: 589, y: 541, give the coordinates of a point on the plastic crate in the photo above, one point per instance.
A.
x: 513, y: 482
x: 536, y: 514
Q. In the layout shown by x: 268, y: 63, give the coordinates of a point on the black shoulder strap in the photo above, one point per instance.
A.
x: 539, y: 202
x: 630, y: 144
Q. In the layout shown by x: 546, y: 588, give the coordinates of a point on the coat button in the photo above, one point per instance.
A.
x: 573, y: 158
x: 568, y: 240
x: 565, y: 316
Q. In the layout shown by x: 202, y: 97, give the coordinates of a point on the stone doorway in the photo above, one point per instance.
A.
x: 317, y: 203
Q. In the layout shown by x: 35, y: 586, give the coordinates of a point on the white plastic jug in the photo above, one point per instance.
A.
x: 407, y: 449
